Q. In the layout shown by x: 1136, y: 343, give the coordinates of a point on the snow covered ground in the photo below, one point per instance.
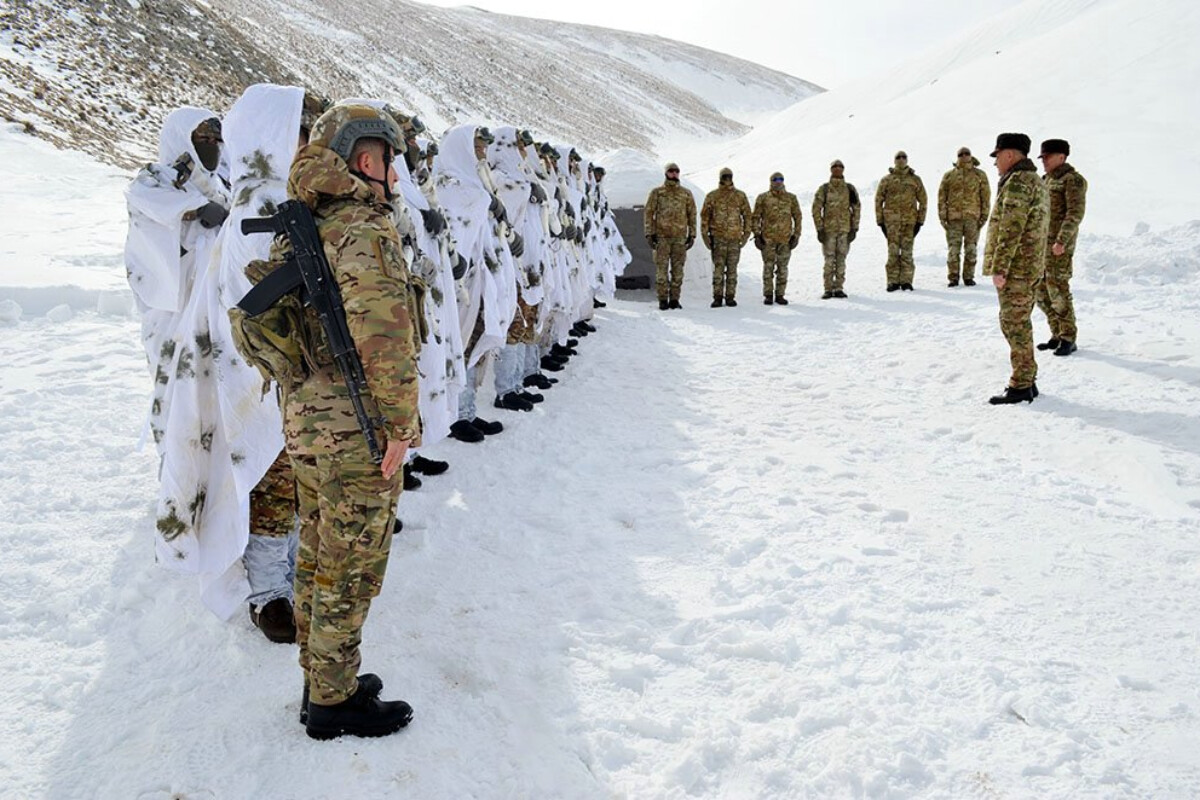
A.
x: 737, y: 553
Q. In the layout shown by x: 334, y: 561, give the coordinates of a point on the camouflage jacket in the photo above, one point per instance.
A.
x: 964, y: 194
x: 776, y: 216
x: 900, y: 198
x: 364, y: 253
x: 1068, y: 199
x: 1016, y: 238
x: 725, y: 215
x: 670, y: 212
x: 836, y: 207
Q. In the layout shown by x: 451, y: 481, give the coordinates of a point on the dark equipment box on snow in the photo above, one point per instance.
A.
x: 640, y: 272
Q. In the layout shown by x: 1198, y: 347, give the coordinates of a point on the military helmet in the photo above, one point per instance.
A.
x: 901, y: 154
x: 484, y: 135
x: 208, y: 131
x: 525, y: 137
x: 411, y: 126
x: 671, y: 167
x: 315, y: 104
x: 837, y: 162
x: 574, y: 156
x: 341, y: 127
x: 599, y: 171
x: 431, y: 149
x: 725, y: 172
x: 548, y: 150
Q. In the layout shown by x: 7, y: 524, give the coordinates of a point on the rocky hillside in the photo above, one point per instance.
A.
x: 99, y: 75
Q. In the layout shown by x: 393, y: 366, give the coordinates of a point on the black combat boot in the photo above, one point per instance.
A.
x: 537, y: 381
x: 893, y: 287
x: 717, y: 302
x: 674, y: 304
x: 368, y: 682
x: 1012, y: 395
x: 551, y: 364
x: 1065, y: 347
x: 729, y: 301
x: 828, y: 295
x: 428, y: 466
x: 839, y: 294
x: 513, y: 402
x: 780, y: 300
x: 598, y: 304
x: 578, y: 330
x: 487, y: 428
x: 768, y: 300
x: 1052, y: 344
x: 587, y: 326
x: 968, y: 281
x: 952, y: 282
x: 906, y: 287
x: 397, y: 526
x: 662, y: 305
x: 357, y: 715
x: 411, y: 482
x: 572, y: 342
x: 464, y: 431
x: 275, y: 620
x: 532, y: 397
x: 558, y: 351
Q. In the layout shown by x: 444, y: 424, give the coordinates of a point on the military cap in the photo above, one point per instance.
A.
x: 341, y: 127
x: 837, y: 162
x: 726, y: 171
x: 1012, y: 141
x: 671, y: 166
x: 1052, y: 146
x: 208, y: 131
x: 901, y: 154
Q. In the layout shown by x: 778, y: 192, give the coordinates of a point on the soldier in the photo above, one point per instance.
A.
x: 1014, y: 255
x: 725, y: 229
x: 900, y: 205
x: 963, y: 200
x: 670, y: 226
x: 347, y: 503
x: 1068, y: 197
x: 836, y: 211
x: 776, y: 223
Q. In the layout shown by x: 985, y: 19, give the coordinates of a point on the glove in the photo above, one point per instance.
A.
x: 688, y: 242
x: 652, y: 240
x: 496, y: 209
x: 460, y: 268
x: 435, y: 223
x: 792, y: 242
x: 883, y: 228
x: 211, y: 215
x: 917, y: 228
x: 821, y: 237
x: 851, y: 235
x: 536, y: 193
x: 517, y: 245
x: 759, y: 241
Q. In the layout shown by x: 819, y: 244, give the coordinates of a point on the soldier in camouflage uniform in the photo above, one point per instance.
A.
x: 900, y: 206
x: 346, y: 502
x: 1014, y: 257
x: 776, y: 223
x: 1068, y: 199
x: 836, y: 211
x: 963, y: 200
x: 670, y: 227
x: 725, y: 229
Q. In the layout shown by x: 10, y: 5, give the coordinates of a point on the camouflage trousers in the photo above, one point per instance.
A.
x: 273, y: 500
x: 776, y: 256
x: 900, y: 267
x: 669, y: 257
x: 961, y: 235
x: 1016, y: 312
x: 347, y: 509
x: 523, y: 329
x: 725, y: 257
x: 835, y: 248
x: 1054, y: 296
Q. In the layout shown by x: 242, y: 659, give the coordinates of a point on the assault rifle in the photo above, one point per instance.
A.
x: 308, y: 270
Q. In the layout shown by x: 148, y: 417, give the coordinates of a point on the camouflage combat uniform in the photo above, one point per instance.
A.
x: 900, y: 206
x: 725, y: 229
x: 346, y: 506
x: 1016, y: 246
x: 777, y: 220
x: 273, y: 501
x: 670, y: 222
x: 963, y: 199
x: 836, y: 212
x: 1068, y: 199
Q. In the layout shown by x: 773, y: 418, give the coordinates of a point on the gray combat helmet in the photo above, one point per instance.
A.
x: 340, y: 128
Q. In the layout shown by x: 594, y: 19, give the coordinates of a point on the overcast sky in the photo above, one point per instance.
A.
x: 828, y: 42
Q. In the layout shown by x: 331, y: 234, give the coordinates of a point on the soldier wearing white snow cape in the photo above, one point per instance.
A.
x: 617, y: 255
x: 487, y: 291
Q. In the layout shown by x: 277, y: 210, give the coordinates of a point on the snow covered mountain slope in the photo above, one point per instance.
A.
x: 99, y: 75
x: 1117, y: 78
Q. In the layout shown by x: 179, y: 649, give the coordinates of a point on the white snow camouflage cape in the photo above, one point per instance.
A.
x: 490, y: 282
x: 513, y: 175
x: 221, y: 433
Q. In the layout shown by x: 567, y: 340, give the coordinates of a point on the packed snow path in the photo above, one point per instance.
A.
x: 737, y: 553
